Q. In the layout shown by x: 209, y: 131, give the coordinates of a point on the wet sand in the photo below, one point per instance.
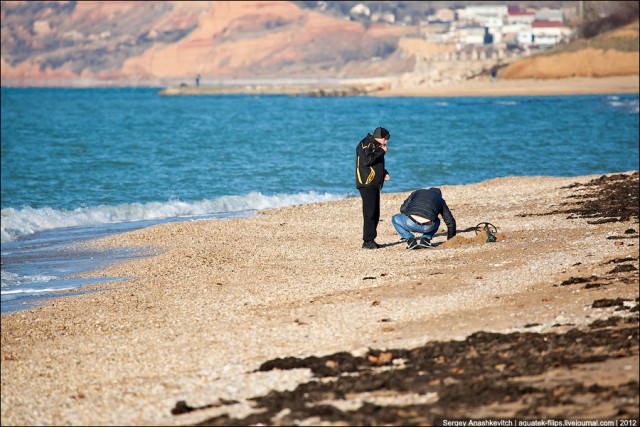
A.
x: 220, y: 298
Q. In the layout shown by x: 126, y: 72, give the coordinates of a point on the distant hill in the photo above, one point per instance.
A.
x: 167, y: 42
x: 95, y: 43
x: 613, y: 53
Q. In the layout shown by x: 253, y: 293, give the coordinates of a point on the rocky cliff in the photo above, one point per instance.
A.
x: 165, y: 43
x: 131, y: 42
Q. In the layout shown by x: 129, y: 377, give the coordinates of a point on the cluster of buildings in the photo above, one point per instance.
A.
x: 498, y: 26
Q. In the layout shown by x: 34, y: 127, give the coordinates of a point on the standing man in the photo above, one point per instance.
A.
x: 370, y: 177
x: 419, y: 214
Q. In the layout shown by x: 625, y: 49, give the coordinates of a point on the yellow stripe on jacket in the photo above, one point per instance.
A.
x: 372, y: 174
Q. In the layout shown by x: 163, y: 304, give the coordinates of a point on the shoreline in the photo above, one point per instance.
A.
x: 525, y: 87
x: 195, y: 322
x: 387, y: 87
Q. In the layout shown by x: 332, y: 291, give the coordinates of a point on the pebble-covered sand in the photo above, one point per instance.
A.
x: 219, y: 297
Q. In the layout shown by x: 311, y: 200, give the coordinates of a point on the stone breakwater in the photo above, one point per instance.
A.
x: 293, y: 89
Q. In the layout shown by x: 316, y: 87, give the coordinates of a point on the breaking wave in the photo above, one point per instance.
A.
x: 17, y: 223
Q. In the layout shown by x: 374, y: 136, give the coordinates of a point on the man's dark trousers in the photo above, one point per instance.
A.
x: 370, y: 212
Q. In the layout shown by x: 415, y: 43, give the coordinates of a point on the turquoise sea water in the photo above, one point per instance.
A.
x: 81, y: 163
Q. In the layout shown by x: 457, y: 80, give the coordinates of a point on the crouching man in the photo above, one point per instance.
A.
x: 419, y: 214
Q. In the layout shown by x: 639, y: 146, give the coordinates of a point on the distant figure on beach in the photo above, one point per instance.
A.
x: 197, y: 80
x: 370, y: 177
x: 419, y: 214
x: 494, y: 74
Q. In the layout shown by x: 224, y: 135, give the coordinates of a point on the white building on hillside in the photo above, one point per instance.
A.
x: 547, y: 33
x: 519, y: 34
x: 480, y: 14
x: 524, y: 37
x: 521, y: 18
x: 472, y: 35
x: 494, y: 27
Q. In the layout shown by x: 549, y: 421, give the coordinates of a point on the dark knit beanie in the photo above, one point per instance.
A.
x: 381, y: 133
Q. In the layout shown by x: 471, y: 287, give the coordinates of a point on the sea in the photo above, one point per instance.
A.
x: 79, y: 164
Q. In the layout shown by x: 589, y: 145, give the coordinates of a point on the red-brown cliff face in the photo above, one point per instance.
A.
x: 138, y: 42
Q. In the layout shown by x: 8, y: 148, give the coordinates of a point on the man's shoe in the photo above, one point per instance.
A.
x: 425, y: 243
x: 411, y: 243
x: 370, y: 245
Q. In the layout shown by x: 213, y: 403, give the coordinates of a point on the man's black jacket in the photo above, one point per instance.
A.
x: 370, y: 169
x: 428, y: 203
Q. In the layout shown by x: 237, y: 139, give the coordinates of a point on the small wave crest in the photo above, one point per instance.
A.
x: 17, y: 223
x: 12, y: 279
x: 30, y: 291
x: 630, y: 105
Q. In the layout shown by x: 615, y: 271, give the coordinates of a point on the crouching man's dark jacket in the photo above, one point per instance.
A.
x: 370, y: 169
x: 428, y: 203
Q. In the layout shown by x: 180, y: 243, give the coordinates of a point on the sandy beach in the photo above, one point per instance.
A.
x: 217, y: 299
x: 484, y: 86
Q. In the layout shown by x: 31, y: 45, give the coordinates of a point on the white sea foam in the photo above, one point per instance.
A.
x: 26, y: 294
x: 9, y: 278
x: 17, y: 223
x: 12, y: 279
x: 22, y: 291
x: 631, y: 105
